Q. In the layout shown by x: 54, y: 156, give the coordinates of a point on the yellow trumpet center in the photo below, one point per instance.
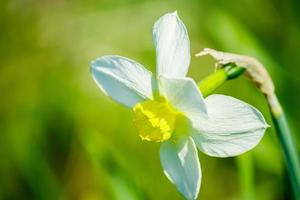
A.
x: 155, y: 120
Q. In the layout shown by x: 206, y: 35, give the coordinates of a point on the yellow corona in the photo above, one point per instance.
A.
x: 155, y: 120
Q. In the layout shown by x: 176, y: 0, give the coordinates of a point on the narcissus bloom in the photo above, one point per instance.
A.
x: 169, y: 108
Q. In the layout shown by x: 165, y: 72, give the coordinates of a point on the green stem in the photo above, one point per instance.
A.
x: 215, y: 80
x: 246, y: 176
x: 288, y: 148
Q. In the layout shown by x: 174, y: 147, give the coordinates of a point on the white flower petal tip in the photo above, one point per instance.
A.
x: 233, y: 127
x: 181, y: 166
x: 172, y: 45
x: 124, y: 80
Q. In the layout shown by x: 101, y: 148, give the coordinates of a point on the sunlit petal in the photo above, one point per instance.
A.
x: 172, y: 46
x: 184, y: 95
x: 125, y: 80
x: 232, y: 128
x: 181, y: 165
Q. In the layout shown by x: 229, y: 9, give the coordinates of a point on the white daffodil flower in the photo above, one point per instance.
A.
x: 169, y: 107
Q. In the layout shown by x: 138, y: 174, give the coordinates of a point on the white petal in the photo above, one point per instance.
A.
x: 232, y: 128
x: 172, y: 46
x: 125, y: 80
x: 184, y: 95
x: 181, y: 165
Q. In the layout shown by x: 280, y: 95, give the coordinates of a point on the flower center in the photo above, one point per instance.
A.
x: 155, y: 120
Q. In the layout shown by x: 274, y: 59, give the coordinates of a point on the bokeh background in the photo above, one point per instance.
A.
x: 62, y: 138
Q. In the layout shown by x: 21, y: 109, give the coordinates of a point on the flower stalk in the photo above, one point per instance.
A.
x: 288, y: 148
x: 208, y: 85
x: 231, y: 71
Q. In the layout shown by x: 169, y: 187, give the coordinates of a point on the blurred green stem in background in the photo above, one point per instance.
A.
x: 231, y: 71
x: 246, y: 176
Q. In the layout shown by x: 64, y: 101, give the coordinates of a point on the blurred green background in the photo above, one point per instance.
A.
x: 61, y: 138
